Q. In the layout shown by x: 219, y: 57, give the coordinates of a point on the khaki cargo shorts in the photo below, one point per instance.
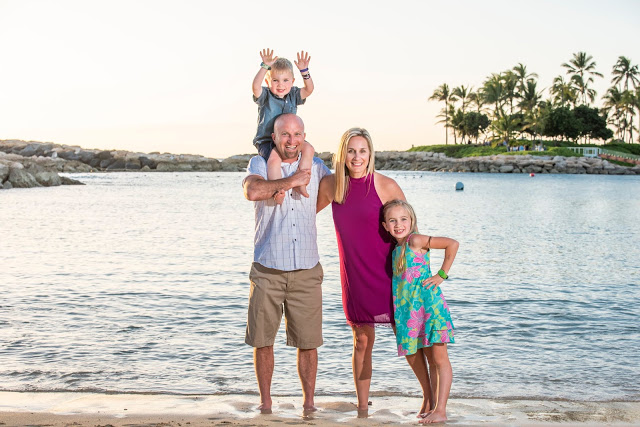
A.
x: 297, y: 294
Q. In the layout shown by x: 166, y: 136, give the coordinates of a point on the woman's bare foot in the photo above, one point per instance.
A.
x: 434, y: 417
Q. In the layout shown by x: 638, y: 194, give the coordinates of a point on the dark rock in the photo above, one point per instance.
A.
x: 48, y: 178
x: 104, y: 155
x: 4, y: 172
x: 105, y: 163
x: 68, y: 155
x: 95, y: 162
x: 145, y: 161
x: 86, y: 156
x: 70, y: 181
x: 117, y: 165
x: 29, y: 150
x: 132, y: 165
x: 20, y: 178
x: 44, y: 150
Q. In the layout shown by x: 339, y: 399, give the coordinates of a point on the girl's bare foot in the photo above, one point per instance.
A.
x: 424, y: 414
x: 425, y: 409
x: 434, y: 417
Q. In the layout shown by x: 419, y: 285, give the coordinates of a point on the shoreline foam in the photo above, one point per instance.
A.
x: 65, y: 408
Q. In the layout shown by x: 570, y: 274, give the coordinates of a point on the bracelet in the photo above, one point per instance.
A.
x: 265, y: 66
x: 442, y: 274
x: 306, y: 69
x: 306, y: 76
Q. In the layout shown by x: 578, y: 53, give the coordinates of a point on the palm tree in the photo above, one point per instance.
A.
x: 622, y: 105
x: 529, y: 101
x: 628, y: 108
x: 442, y: 93
x: 563, y: 92
x: 462, y: 93
x: 583, y: 88
x: 510, y: 85
x: 636, y: 104
x: 492, y: 92
x: 520, y: 71
x: 624, y: 71
x: 613, y: 110
x: 582, y: 65
x: 475, y: 98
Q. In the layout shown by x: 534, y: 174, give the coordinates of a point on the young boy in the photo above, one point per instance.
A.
x: 280, y: 96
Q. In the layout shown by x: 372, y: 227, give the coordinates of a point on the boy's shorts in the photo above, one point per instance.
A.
x: 298, y: 294
x: 264, y: 149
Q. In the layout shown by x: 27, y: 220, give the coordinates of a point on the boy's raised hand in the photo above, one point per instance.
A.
x: 267, y: 57
x: 303, y: 60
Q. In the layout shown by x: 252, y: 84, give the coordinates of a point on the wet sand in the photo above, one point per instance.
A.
x: 94, y: 409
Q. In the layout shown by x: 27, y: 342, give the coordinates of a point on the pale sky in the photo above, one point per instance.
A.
x: 175, y: 76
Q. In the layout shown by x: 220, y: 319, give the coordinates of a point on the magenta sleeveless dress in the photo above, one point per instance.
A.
x: 365, y: 250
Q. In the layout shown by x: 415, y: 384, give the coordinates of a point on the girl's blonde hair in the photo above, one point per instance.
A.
x: 400, y: 264
x: 340, y: 159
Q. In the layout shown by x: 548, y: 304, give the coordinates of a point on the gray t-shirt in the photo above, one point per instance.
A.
x: 270, y: 107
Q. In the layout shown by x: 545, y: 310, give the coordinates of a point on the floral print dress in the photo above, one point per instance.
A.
x: 422, y: 315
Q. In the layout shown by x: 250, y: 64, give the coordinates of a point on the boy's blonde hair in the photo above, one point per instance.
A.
x: 281, y: 64
x: 340, y: 159
x: 400, y: 265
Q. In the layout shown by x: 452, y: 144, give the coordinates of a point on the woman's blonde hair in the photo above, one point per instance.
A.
x: 400, y: 265
x: 340, y: 159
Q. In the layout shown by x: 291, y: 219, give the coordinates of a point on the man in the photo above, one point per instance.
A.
x: 286, y: 275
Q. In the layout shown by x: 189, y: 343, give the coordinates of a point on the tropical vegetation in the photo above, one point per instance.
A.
x: 510, y: 106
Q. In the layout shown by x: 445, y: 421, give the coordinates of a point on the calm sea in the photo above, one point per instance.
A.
x: 138, y: 283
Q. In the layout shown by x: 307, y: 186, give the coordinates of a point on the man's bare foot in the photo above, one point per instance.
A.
x: 279, y: 197
x: 265, y: 409
x: 363, y: 413
x: 308, y: 410
x: 302, y: 189
x: 434, y: 417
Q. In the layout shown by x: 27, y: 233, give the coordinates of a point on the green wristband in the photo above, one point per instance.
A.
x: 442, y: 274
x: 265, y: 66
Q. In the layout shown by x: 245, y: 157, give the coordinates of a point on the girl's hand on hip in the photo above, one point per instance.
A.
x: 432, y: 282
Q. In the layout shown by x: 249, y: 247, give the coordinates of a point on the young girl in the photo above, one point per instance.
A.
x: 423, y: 321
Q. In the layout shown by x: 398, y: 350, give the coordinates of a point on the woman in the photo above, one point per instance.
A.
x: 358, y: 193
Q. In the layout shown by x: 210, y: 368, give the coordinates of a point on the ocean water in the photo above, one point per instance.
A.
x: 139, y: 283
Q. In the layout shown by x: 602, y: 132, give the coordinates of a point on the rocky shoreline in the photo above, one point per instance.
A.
x: 26, y: 164
x: 438, y: 162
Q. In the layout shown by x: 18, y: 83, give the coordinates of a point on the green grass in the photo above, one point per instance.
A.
x: 552, y: 148
x: 460, y: 150
x: 621, y: 163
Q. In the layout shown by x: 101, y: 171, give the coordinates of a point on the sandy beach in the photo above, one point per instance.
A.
x: 93, y: 409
